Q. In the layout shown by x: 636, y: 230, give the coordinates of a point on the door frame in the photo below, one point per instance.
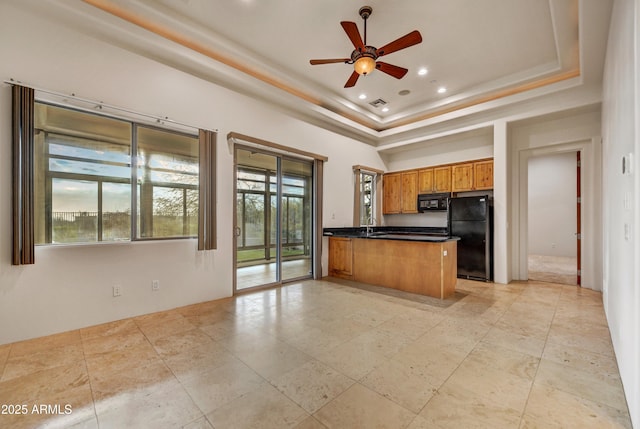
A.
x: 591, y: 218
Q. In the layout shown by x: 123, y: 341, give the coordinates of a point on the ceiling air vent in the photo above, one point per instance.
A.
x: 377, y: 103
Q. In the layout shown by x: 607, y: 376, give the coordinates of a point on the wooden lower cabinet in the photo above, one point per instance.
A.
x: 341, y: 257
x: 426, y: 268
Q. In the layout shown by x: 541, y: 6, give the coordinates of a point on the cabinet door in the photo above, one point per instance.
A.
x: 391, y: 193
x: 340, y: 257
x: 425, y: 181
x: 483, y: 174
x: 462, y: 177
x: 410, y: 192
x: 442, y: 179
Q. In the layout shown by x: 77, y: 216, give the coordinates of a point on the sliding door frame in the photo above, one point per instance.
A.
x: 315, y: 214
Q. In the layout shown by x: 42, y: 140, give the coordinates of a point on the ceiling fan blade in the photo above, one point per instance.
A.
x: 405, y: 41
x: 352, y: 80
x: 330, y: 61
x: 354, y: 35
x: 390, y: 69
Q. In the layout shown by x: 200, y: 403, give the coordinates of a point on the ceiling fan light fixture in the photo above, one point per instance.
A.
x: 364, y: 65
x: 364, y: 56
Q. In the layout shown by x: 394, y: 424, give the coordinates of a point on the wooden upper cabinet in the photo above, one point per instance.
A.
x: 400, y: 192
x: 410, y: 192
x: 483, y: 174
x: 462, y: 177
x: 442, y: 179
x: 401, y: 189
x: 391, y: 193
x: 425, y: 181
x: 435, y: 179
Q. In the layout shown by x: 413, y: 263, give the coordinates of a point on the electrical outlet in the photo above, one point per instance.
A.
x: 117, y: 290
x: 155, y: 285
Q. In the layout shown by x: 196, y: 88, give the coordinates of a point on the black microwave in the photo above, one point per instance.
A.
x: 433, y: 202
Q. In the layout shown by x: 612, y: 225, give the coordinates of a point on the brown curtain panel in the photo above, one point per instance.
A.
x: 23, y: 222
x: 207, y: 203
x: 317, y: 242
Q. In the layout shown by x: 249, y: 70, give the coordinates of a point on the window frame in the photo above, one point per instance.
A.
x: 373, y: 198
x: 132, y: 181
x: 359, y: 171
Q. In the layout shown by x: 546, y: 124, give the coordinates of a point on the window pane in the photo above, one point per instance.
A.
x: 168, y: 205
x: 116, y: 215
x: 367, y: 198
x: 254, y: 220
x: 192, y: 211
x: 250, y: 181
x: 74, y: 206
x: 89, y: 149
x: 167, y: 168
x: 81, y: 160
x: 239, y: 218
x: 88, y: 168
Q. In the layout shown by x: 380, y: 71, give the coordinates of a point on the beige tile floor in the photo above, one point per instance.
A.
x: 263, y: 274
x: 320, y: 354
x: 554, y: 269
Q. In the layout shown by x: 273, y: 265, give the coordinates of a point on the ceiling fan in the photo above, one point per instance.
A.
x: 364, y: 57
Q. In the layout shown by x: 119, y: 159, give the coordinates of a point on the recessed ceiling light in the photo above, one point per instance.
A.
x: 404, y: 92
x: 385, y: 109
x: 362, y: 96
x: 423, y: 71
x: 442, y: 90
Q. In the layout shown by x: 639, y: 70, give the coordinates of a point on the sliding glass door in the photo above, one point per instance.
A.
x: 273, y: 218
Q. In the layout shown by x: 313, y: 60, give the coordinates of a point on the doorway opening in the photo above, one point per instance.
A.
x: 274, y: 217
x: 554, y: 211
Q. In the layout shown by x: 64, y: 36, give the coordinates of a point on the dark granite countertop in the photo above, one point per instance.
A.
x: 428, y: 234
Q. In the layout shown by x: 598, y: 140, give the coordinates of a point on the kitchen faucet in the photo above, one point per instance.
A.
x: 371, y: 223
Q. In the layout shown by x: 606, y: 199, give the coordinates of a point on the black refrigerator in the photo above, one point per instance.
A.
x: 471, y: 219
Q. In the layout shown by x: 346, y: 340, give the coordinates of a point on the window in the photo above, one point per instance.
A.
x: 167, y: 184
x: 257, y: 213
x: 85, y: 165
x: 368, y: 185
x: 367, y: 198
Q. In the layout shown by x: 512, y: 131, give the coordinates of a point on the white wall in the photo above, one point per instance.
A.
x: 552, y: 205
x: 566, y: 132
x: 620, y: 127
x: 70, y: 286
x: 457, y: 147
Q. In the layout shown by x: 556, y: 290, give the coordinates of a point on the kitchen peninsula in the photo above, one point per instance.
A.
x: 416, y: 260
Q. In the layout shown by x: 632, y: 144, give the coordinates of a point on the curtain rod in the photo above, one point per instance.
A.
x: 100, y: 105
